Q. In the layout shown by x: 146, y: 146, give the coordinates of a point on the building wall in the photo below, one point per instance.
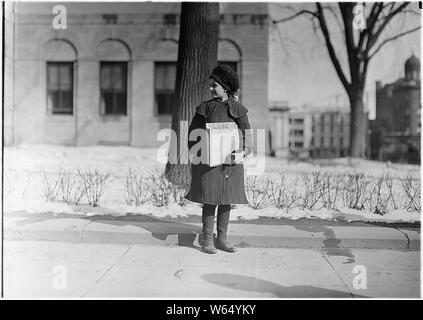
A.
x: 395, y: 133
x: 413, y: 96
x: 384, y: 118
x: 319, y: 132
x: 139, y: 33
x: 331, y: 130
x: 299, y: 133
x: 279, y: 129
x: 9, y: 110
x: 398, y: 107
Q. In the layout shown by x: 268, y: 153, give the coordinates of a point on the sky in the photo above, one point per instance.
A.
x: 300, y: 70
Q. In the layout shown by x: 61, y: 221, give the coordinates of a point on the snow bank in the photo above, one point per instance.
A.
x: 23, y: 185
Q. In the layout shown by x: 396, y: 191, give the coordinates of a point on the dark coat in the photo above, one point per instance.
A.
x: 221, y: 184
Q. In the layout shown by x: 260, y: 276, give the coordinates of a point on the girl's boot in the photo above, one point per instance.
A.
x: 208, y: 222
x: 222, y: 229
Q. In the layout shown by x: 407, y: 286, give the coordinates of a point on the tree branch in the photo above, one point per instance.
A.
x: 392, y: 4
x: 332, y: 10
x: 330, y: 48
x: 392, y: 39
x: 347, y: 17
x: 371, y: 21
x: 412, y: 11
x: 302, y: 12
x: 388, y: 18
x: 364, y: 74
x: 374, y: 16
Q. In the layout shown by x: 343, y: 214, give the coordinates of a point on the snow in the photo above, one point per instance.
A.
x: 23, y: 187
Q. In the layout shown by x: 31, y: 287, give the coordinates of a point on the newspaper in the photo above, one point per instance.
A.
x: 223, y: 141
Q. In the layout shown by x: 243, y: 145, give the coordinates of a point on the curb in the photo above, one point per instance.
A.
x: 241, y: 235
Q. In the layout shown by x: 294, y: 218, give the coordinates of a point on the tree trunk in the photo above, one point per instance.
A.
x: 358, y: 123
x: 197, y: 55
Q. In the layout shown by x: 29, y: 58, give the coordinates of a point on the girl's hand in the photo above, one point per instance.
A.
x: 235, y: 157
x: 239, y: 157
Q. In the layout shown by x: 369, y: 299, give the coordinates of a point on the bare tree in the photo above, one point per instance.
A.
x: 363, y: 40
x: 197, y: 55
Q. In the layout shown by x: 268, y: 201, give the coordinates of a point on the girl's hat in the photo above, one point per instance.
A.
x: 226, y: 77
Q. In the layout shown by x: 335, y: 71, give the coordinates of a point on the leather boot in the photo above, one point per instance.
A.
x: 208, y: 222
x: 222, y: 228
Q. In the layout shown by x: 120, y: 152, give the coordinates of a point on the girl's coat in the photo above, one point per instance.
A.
x: 222, y: 184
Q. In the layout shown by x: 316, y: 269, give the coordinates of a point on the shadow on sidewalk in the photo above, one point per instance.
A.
x: 160, y: 229
x: 331, y: 245
x: 244, y: 283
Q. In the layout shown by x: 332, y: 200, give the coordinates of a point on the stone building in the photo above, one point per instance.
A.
x: 310, y: 132
x: 300, y: 132
x: 395, y: 132
x: 108, y: 77
x: 330, y: 130
x: 279, y: 129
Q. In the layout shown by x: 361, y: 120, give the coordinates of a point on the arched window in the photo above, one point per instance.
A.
x: 165, y: 69
x: 60, y: 56
x: 113, y: 50
x: 114, y: 56
x: 230, y: 54
x: 164, y: 75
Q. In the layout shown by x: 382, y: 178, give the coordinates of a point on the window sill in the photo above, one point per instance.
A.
x: 113, y: 117
x: 58, y: 116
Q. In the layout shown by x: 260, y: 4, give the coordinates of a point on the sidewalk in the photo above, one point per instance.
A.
x: 142, y: 229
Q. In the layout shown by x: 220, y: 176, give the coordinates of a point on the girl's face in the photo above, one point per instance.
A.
x: 217, y: 90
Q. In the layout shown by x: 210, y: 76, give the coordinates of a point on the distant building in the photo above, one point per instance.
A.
x: 109, y: 76
x: 330, y: 130
x: 300, y: 132
x: 396, y: 130
x: 310, y: 132
x: 279, y: 129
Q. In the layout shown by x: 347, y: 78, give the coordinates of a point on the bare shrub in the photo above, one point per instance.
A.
x: 178, y: 191
x: 258, y: 193
x: 178, y: 194
x: 411, y: 188
x: 312, y: 189
x: 26, y: 185
x: 389, y: 182
x: 379, y: 197
x: 51, y: 186
x: 331, y: 185
x: 283, y: 195
x: 94, y: 184
x: 71, y: 185
x: 136, y: 189
x: 354, y: 192
x: 160, y: 189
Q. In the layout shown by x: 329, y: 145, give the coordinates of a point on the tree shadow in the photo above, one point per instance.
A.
x: 331, y: 245
x: 159, y: 229
x: 253, y: 284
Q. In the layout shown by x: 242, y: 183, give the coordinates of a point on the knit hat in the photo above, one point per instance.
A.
x: 226, y: 77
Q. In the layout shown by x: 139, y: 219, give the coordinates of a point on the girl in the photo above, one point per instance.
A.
x: 223, y: 185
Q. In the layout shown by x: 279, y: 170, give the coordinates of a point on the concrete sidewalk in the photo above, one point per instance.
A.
x: 140, y: 229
